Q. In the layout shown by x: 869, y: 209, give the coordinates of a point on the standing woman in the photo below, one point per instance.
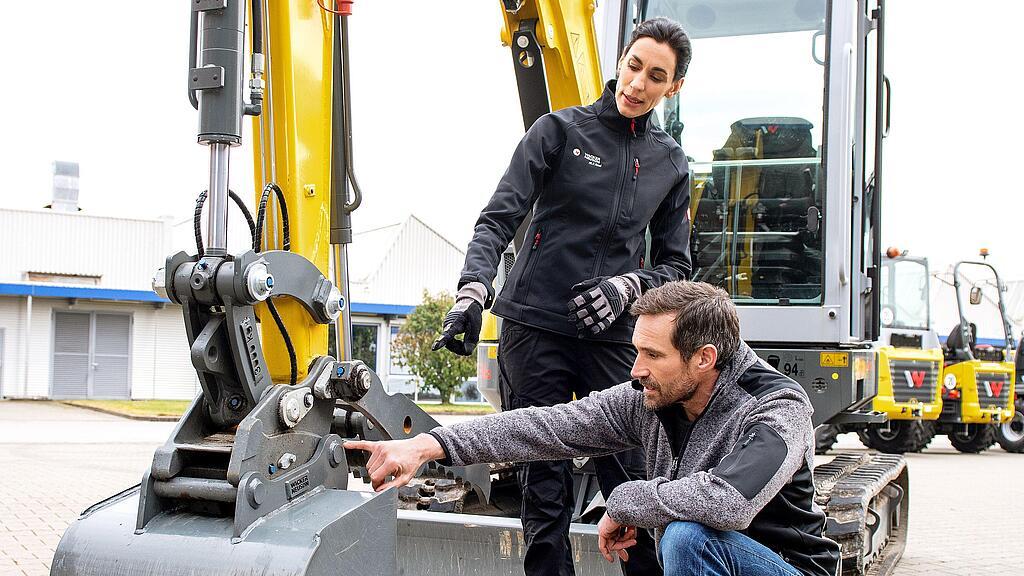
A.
x: 597, y: 177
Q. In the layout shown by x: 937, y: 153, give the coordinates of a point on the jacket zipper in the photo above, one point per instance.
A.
x: 618, y: 204
x: 531, y: 262
x: 636, y: 186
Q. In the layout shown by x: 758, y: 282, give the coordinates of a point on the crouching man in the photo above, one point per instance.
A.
x: 728, y: 439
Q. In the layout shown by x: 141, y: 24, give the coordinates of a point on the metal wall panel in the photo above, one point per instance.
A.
x: 38, y: 348
x: 2, y: 356
x: 79, y: 244
x: 173, y: 376
x: 10, y: 321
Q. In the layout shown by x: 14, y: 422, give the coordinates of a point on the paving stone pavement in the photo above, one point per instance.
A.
x: 58, y: 460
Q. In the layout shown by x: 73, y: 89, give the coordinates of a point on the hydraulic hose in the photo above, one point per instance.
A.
x: 257, y: 244
x: 197, y: 218
x: 261, y: 214
x: 257, y: 26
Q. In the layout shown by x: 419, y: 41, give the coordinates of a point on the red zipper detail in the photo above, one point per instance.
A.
x: 636, y: 168
x: 536, y: 241
x: 632, y: 126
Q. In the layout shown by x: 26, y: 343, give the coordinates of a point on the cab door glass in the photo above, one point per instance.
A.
x: 750, y: 119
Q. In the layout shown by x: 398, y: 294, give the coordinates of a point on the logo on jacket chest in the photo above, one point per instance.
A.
x: 591, y: 159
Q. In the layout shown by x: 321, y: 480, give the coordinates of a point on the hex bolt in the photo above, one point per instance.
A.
x: 337, y: 454
x: 364, y: 380
x: 308, y: 399
x: 287, y: 459
x: 292, y: 410
x: 256, y: 492
x: 235, y: 402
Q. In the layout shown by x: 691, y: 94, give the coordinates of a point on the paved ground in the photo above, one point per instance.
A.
x: 57, y: 460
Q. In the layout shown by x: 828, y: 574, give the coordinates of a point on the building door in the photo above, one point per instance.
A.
x: 91, y: 355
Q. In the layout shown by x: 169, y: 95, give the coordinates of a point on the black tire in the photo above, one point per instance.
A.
x: 825, y: 437
x: 898, y: 436
x: 977, y: 438
x: 1011, y: 434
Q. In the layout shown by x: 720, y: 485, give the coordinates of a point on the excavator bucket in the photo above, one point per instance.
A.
x: 327, y: 532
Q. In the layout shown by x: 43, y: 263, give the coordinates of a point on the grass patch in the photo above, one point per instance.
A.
x: 460, y: 409
x: 146, y: 408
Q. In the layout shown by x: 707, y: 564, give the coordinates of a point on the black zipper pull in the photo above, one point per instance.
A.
x: 536, y: 240
x: 636, y: 168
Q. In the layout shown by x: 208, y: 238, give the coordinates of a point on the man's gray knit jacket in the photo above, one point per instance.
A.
x: 744, y: 464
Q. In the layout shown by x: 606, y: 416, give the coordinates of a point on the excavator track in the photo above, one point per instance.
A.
x: 866, y: 498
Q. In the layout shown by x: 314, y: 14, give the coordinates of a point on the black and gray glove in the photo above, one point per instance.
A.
x: 601, y: 301
x: 465, y: 318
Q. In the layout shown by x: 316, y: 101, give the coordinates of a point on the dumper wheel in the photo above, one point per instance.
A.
x: 898, y: 436
x: 1010, y: 435
x: 825, y: 437
x: 977, y: 438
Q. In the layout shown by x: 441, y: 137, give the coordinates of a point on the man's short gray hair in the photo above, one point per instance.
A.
x: 704, y: 314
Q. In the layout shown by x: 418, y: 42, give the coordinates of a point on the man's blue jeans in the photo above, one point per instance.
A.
x: 689, y: 548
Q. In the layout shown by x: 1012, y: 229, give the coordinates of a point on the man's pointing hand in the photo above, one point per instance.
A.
x: 397, y: 459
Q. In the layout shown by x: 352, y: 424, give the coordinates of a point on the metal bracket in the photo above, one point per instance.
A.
x: 393, y: 417
x: 859, y: 417
x: 206, y: 78
x: 204, y: 5
x: 294, y: 405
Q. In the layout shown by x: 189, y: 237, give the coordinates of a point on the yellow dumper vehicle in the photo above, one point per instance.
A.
x: 963, y: 388
x: 978, y: 380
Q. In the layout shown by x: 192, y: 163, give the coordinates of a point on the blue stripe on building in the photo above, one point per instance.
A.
x: 88, y: 293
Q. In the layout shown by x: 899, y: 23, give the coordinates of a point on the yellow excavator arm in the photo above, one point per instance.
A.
x: 554, y: 46
x: 292, y: 148
x: 555, y: 53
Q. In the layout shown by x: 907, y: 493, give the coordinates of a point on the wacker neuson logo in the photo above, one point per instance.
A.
x: 590, y: 158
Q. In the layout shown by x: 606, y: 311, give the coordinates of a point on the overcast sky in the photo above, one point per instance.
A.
x: 437, y: 116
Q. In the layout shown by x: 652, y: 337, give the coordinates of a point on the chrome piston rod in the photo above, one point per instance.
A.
x: 217, y: 217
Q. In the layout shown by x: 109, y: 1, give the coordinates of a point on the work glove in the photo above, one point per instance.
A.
x: 465, y: 318
x: 601, y: 301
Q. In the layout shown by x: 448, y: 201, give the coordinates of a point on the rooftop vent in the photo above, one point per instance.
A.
x: 65, y: 187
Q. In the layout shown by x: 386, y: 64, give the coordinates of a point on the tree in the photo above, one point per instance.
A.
x: 441, y: 370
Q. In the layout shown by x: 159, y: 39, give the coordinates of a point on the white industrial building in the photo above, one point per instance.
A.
x: 79, y: 319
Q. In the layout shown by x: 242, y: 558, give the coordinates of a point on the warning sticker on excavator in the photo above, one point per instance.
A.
x: 835, y: 359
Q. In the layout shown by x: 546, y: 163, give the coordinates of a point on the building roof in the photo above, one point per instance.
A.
x: 398, y: 262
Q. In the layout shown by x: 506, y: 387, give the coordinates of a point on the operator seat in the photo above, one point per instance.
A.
x: 762, y: 200
x: 954, y: 349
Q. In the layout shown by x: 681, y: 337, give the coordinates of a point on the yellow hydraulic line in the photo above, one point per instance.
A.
x: 292, y: 146
x: 565, y: 30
